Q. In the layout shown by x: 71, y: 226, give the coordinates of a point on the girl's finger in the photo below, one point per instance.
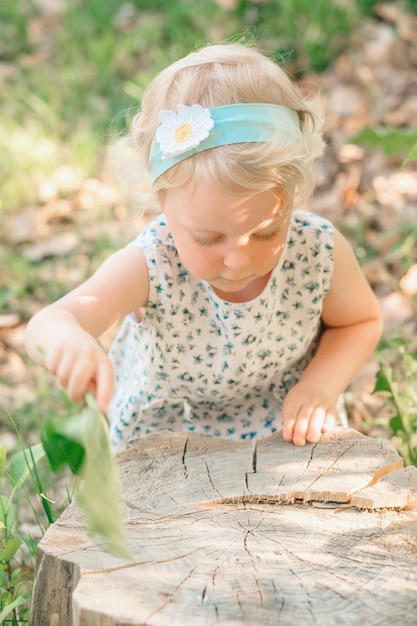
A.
x: 315, y: 425
x: 105, y: 385
x: 301, y: 426
x: 288, y: 429
x: 81, y: 376
x: 329, y: 423
x: 64, y: 369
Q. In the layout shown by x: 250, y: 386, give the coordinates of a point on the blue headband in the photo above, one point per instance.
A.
x: 194, y: 129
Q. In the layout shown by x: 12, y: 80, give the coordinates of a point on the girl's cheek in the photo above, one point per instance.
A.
x: 206, y: 260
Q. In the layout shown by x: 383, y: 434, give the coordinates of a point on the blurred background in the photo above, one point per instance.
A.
x: 72, y: 74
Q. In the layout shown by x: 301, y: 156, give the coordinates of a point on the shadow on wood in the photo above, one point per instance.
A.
x: 227, y: 533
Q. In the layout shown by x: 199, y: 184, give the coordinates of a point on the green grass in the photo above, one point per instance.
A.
x: 74, y: 80
x: 397, y: 383
x: 77, y: 77
x: 68, y: 84
x: 27, y: 418
x: 25, y: 490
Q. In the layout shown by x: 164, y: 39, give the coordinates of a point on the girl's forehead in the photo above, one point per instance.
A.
x: 197, y: 191
x: 207, y: 206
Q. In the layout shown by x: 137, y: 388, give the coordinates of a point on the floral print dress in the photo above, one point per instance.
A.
x: 200, y: 364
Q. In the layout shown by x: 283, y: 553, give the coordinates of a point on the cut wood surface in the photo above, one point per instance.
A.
x: 231, y: 533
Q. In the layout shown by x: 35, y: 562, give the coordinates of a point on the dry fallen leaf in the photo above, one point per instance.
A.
x: 10, y: 320
x: 408, y: 282
x: 57, y: 246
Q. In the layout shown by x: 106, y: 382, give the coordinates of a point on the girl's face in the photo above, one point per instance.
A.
x: 231, y: 241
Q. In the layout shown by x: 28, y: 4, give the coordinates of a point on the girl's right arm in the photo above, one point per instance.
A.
x: 63, y: 336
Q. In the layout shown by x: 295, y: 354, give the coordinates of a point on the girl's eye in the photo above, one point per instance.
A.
x: 211, y: 242
x: 204, y: 242
x: 269, y: 236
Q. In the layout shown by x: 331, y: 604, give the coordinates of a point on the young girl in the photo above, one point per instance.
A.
x: 241, y: 315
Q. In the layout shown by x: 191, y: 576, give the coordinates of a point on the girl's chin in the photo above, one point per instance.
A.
x: 240, y: 290
x: 232, y: 285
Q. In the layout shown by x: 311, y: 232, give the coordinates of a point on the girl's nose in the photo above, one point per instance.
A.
x: 237, y: 257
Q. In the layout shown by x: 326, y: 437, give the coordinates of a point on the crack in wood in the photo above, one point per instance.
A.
x: 134, y: 564
x: 214, y: 574
x: 184, y: 453
x: 211, y: 480
x: 247, y: 480
x: 329, y: 467
x: 311, y: 455
x: 279, y: 601
x: 335, y: 482
x: 169, y: 599
x: 201, y: 562
x: 307, y: 595
x: 254, y: 458
x: 254, y: 468
x: 239, y: 602
x: 251, y: 531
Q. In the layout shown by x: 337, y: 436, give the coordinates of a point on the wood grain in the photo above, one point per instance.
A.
x: 228, y: 533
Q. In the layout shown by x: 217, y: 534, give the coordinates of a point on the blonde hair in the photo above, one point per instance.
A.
x: 231, y: 73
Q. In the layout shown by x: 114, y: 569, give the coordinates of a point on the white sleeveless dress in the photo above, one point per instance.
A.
x: 197, y: 363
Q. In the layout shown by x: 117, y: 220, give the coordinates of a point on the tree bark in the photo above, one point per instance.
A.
x: 228, y: 533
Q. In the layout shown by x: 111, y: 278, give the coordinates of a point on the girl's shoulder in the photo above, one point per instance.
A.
x: 311, y: 231
x: 305, y: 220
x: 154, y: 235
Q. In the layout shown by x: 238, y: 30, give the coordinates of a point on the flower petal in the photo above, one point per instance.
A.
x: 164, y: 134
x: 169, y: 118
x: 184, y: 113
x: 194, y: 116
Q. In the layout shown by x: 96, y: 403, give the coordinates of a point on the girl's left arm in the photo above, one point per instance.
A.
x: 352, y: 327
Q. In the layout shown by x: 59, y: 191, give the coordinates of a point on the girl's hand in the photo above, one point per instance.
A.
x: 79, y: 364
x: 62, y: 336
x: 308, y: 411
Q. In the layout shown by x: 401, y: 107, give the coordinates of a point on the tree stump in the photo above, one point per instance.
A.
x: 231, y: 533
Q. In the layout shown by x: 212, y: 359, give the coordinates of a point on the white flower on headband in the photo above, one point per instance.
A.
x: 183, y: 131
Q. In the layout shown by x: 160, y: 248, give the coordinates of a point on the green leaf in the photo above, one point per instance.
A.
x: 396, y: 424
x: 16, y: 576
x: 412, y: 155
x: 9, y: 608
x: 21, y: 464
x: 59, y: 439
x: 392, y: 343
x: 390, y: 139
x: 10, y: 549
x: 3, y: 455
x: 82, y: 442
x: 383, y: 382
x: 7, y: 512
